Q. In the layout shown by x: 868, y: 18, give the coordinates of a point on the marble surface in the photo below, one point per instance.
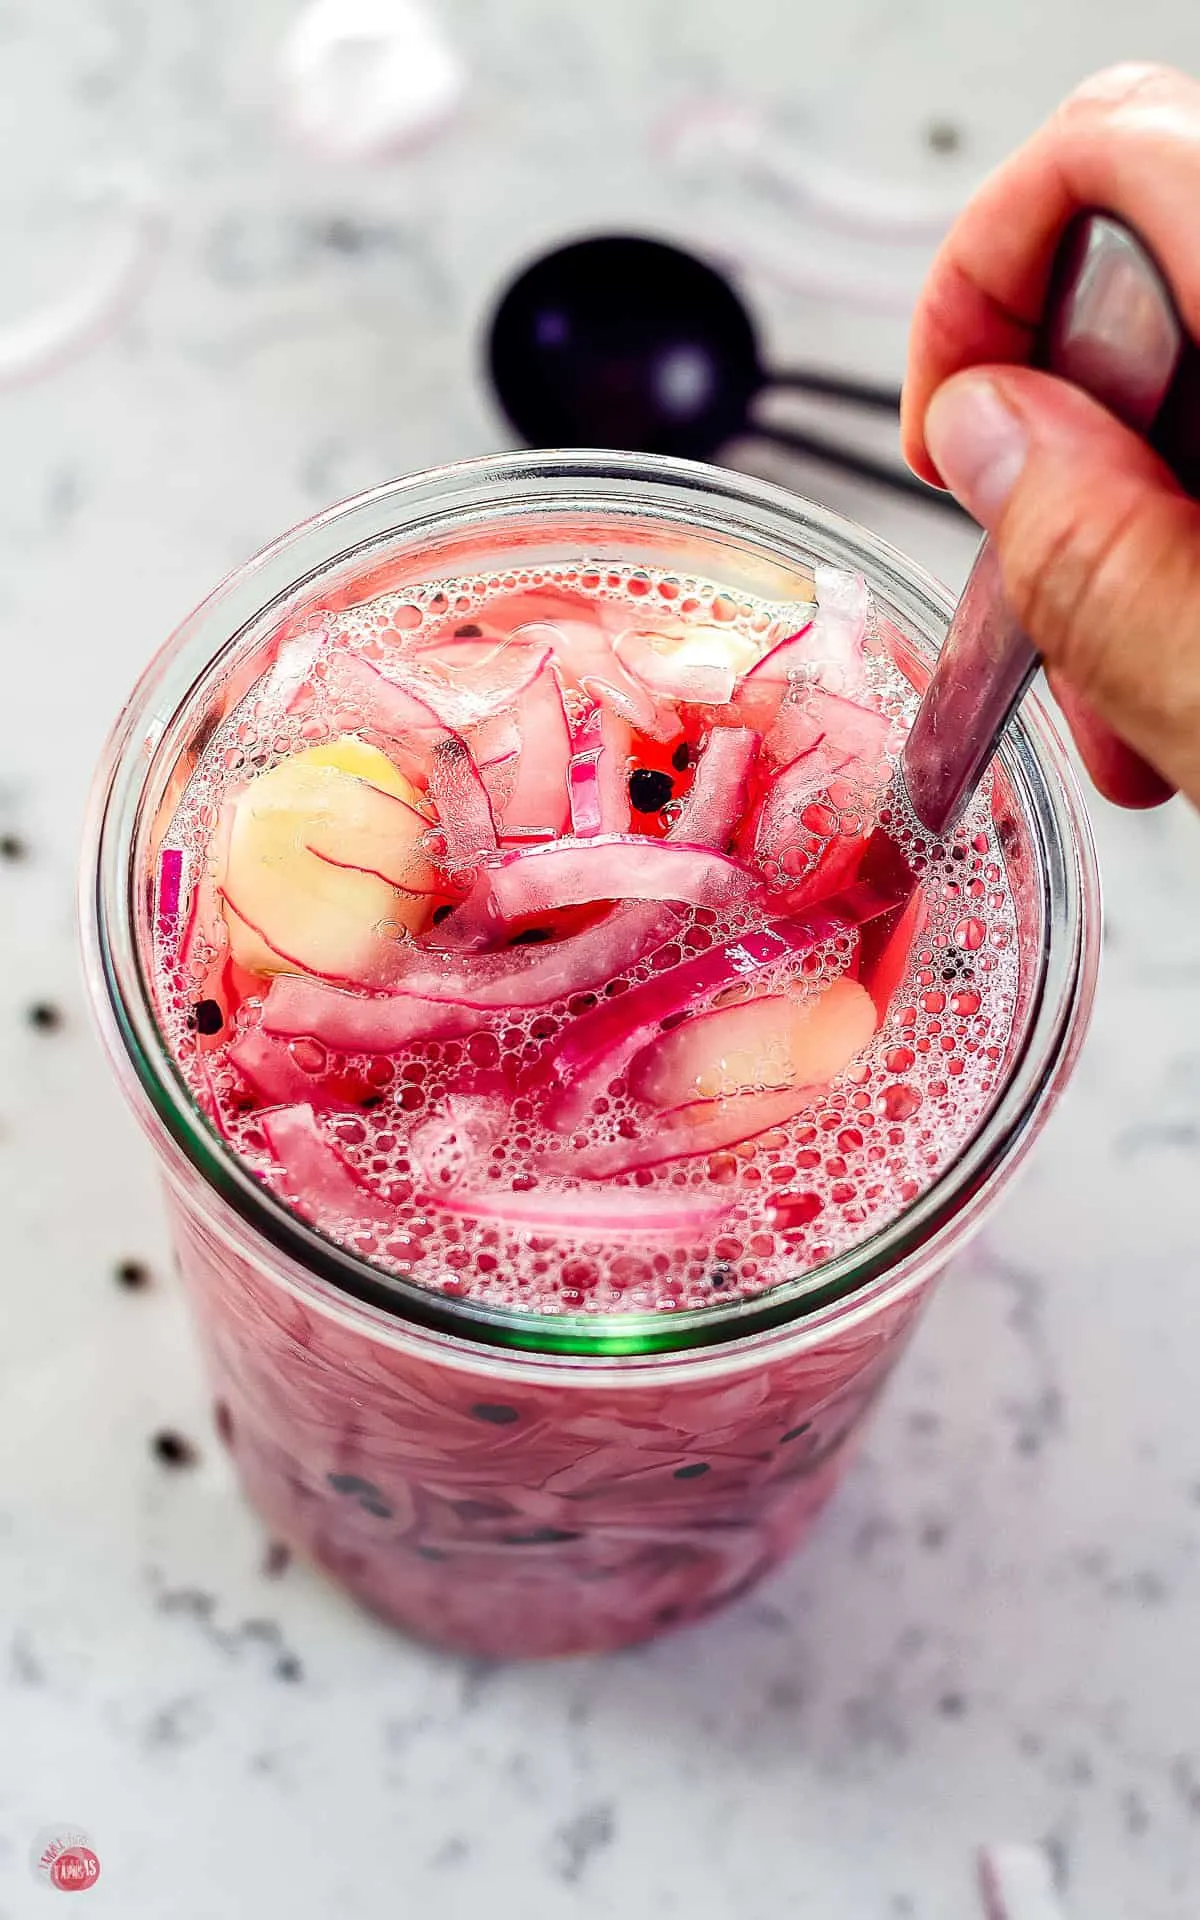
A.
x: 993, y: 1633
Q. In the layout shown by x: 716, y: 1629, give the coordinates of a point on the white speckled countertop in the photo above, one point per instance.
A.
x: 993, y: 1633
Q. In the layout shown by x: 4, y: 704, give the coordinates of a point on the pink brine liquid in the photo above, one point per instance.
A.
x: 524, y: 935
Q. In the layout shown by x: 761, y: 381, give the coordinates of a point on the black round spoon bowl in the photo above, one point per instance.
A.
x: 622, y: 341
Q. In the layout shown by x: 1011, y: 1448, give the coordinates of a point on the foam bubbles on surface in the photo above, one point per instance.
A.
x: 458, y: 1109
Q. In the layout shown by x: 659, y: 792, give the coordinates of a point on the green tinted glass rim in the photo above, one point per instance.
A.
x: 703, y: 499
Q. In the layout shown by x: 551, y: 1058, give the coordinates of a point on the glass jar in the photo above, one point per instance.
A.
x: 507, y: 1483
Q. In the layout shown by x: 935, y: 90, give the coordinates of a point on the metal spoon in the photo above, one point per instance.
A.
x: 1110, y: 326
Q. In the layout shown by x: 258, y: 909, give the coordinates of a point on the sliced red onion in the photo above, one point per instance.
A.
x: 788, y: 656
x: 623, y: 1214
x: 843, y: 609
x: 473, y: 653
x: 267, y: 1066
x: 718, y: 794
x: 597, y: 1048
x: 357, y: 1023
x: 703, y: 1126
x: 761, y: 690
x: 779, y: 822
x: 854, y: 740
x: 170, y: 879
x: 398, y: 711
x: 886, y: 945
x: 612, y: 772
x: 508, y: 676
x: 525, y: 977
x: 496, y: 750
x: 584, y: 790
x: 836, y: 867
x: 618, y: 695
x: 320, y: 1180
x: 610, y: 866
x: 494, y: 741
x: 577, y: 646
x: 693, y: 682
x: 454, y: 707
x: 463, y: 807
x: 598, y: 775
x: 538, y: 796
x: 205, y: 921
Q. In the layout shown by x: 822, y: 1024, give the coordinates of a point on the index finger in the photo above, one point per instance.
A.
x: 1127, y: 142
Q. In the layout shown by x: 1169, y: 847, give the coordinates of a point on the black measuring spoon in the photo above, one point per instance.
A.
x: 621, y: 341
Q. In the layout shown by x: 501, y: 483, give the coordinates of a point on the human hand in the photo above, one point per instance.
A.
x: 1099, y: 544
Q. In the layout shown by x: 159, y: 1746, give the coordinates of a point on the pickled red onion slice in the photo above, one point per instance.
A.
x: 464, y: 810
x: 779, y: 823
x: 317, y: 1173
x: 694, y: 682
x: 170, y: 879
x: 455, y: 708
x: 857, y: 738
x: 579, y: 646
x: 703, y: 1126
x: 612, y: 772
x: 620, y: 1215
x: 837, y: 866
x: 268, y: 1068
x: 465, y: 653
x: 839, y: 631
x: 786, y: 657
x: 530, y: 977
x: 397, y: 711
x: 584, y: 787
x: 494, y: 741
x: 598, y: 1047
x: 760, y: 692
x: 656, y: 719
x: 356, y: 1023
x: 538, y: 795
x: 718, y: 794
x: 583, y: 781
x: 883, y: 959
x: 611, y: 866
x: 596, y: 778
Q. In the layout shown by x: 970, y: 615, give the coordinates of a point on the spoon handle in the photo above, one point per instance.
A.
x: 863, y: 465
x: 1109, y: 326
x: 835, y: 386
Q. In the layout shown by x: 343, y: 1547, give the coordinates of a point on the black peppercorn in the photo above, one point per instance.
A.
x: 173, y: 1450
x: 649, y: 790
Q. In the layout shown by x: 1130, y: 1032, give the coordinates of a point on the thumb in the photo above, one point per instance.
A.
x: 1100, y: 550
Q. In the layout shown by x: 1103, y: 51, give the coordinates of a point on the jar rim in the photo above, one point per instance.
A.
x: 613, y: 486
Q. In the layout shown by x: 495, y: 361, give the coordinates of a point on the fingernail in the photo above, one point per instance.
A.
x: 977, y: 444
